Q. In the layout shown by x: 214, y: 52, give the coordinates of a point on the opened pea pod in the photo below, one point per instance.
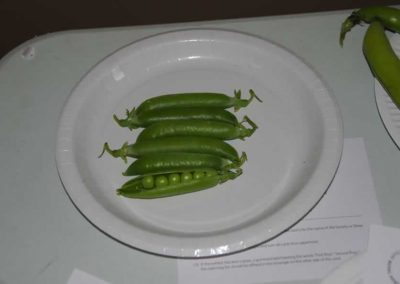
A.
x: 175, y: 183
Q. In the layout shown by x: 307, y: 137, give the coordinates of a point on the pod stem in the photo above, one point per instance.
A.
x: 251, y: 123
x: 238, y: 164
x: 348, y: 24
x: 230, y: 175
x: 243, y: 130
x: 129, y: 121
x: 240, y: 103
x: 118, y: 153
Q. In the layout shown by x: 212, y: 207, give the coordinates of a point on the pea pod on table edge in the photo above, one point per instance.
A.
x: 383, y: 61
x: 388, y: 16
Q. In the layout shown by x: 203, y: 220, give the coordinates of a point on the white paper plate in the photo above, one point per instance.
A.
x: 389, y: 112
x: 292, y: 157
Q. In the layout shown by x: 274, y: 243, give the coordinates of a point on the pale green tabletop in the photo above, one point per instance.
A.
x: 43, y: 237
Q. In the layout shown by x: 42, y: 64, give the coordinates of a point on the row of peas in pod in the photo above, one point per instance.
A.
x: 182, y: 144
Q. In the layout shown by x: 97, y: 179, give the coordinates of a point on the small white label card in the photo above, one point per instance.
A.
x: 336, y: 229
x: 382, y: 264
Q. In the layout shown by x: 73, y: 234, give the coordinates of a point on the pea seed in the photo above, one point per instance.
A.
x: 174, y: 178
x: 198, y: 174
x: 148, y: 182
x: 210, y: 173
x: 161, y: 181
x: 186, y: 177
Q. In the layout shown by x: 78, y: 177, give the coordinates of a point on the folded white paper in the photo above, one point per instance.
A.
x: 382, y: 263
x: 335, y: 230
x: 81, y: 277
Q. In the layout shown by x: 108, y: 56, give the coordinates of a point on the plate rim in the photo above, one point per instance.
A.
x: 68, y: 174
x: 382, y: 100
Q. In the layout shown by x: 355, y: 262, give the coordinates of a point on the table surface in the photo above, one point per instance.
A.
x: 43, y: 237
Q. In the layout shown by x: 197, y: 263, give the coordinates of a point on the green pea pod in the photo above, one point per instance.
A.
x: 196, y: 100
x: 144, y: 119
x: 186, y: 144
x: 179, y: 162
x: 384, y: 63
x: 388, y: 16
x: 193, y: 127
x: 134, y: 188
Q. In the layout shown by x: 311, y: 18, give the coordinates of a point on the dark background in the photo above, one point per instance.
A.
x: 22, y: 20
